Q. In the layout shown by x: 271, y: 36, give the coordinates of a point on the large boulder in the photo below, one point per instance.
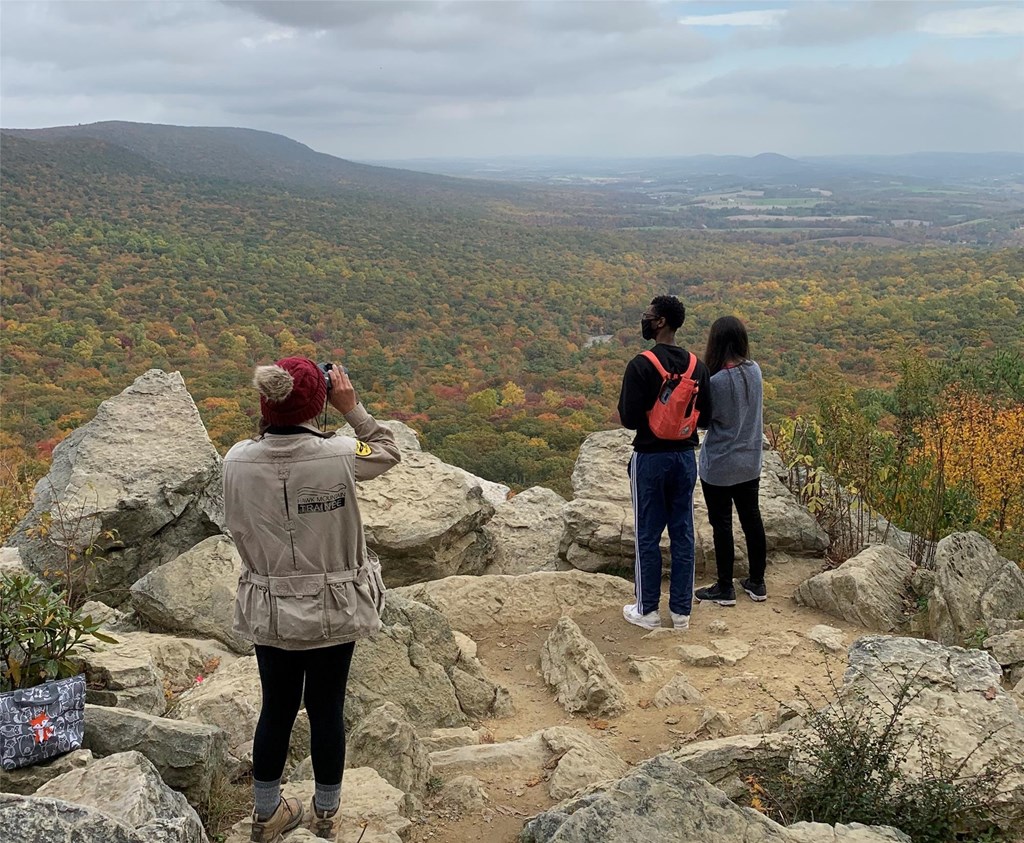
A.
x: 386, y: 741
x: 143, y: 670
x: 957, y: 701
x: 33, y: 819
x: 128, y: 788
x: 194, y: 594
x: 27, y: 780
x: 971, y: 587
x: 474, y: 604
x: 870, y: 589
x: 525, y: 532
x: 139, y: 484
x: 599, y: 533
x: 658, y: 800
x: 574, y: 667
x: 230, y: 699
x: 415, y: 661
x: 188, y: 756
x: 423, y: 519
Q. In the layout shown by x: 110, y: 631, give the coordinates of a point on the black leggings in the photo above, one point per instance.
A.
x: 719, y: 500
x: 324, y: 672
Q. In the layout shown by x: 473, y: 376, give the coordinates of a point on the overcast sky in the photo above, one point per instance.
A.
x: 387, y: 80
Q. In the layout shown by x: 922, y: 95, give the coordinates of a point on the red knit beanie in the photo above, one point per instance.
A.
x: 292, y: 391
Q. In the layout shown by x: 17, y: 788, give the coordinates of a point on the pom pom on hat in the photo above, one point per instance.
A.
x: 292, y: 391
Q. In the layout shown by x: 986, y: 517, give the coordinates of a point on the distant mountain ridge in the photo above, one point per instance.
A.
x: 249, y: 155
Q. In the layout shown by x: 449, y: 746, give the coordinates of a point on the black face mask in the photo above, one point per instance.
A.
x: 647, y: 329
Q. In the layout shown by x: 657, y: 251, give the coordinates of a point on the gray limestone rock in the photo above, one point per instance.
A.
x: 959, y: 702
x: 386, y: 741
x: 414, y: 661
x: 574, y: 667
x: 423, y: 519
x: 868, y: 589
x: 141, y: 483
x: 973, y: 586
x: 477, y: 603
x: 187, y: 755
x: 27, y: 780
x: 128, y: 787
x: 525, y: 532
x: 194, y: 594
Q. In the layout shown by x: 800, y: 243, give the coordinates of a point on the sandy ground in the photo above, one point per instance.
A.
x: 781, y: 659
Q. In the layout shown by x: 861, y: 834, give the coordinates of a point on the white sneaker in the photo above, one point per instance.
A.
x: 680, y: 621
x: 652, y: 620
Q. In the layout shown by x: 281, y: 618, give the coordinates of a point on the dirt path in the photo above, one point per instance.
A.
x: 781, y: 659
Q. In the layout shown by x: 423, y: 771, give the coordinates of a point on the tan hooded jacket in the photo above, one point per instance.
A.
x: 307, y: 579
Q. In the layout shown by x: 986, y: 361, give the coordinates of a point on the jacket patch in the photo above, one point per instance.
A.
x: 362, y: 449
x: 321, y: 500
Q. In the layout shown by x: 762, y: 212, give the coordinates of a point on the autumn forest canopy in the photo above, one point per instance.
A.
x: 495, y: 319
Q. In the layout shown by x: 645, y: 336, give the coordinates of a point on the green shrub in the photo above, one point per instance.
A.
x: 38, y: 633
x: 852, y: 767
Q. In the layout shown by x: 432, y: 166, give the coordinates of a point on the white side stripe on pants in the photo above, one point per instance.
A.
x: 637, y: 569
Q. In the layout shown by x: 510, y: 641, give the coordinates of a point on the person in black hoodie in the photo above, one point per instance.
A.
x: 663, y: 472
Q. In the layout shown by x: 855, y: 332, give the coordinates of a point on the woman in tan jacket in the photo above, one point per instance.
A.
x: 309, y: 586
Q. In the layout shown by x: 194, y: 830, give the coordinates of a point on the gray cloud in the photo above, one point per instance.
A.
x: 407, y: 79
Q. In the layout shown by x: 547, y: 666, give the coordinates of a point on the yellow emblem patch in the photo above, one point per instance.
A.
x: 362, y: 449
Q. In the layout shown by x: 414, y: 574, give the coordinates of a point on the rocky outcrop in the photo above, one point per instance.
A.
x: 187, y: 755
x: 386, y: 741
x: 574, y: 667
x: 725, y: 761
x: 140, y: 483
x: 422, y: 518
x: 959, y: 703
x: 599, y: 531
x: 477, y: 603
x: 525, y: 532
x: 586, y: 760
x: 143, y: 669
x: 970, y: 588
x: 870, y: 589
x: 27, y: 780
x: 582, y: 761
x: 658, y: 800
x: 128, y: 787
x: 416, y: 663
x: 33, y: 819
x: 230, y: 699
x: 194, y: 594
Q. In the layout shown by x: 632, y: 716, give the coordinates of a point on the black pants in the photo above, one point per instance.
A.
x: 720, y: 500
x: 286, y: 676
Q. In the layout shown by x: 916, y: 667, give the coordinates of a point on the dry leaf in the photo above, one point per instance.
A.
x: 991, y: 693
x: 645, y: 704
x: 600, y: 724
x: 536, y: 780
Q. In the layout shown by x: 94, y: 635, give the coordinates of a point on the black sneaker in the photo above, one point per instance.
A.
x: 716, y: 594
x: 755, y: 590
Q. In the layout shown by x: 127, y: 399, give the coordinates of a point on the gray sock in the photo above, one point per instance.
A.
x: 327, y: 797
x: 267, y: 796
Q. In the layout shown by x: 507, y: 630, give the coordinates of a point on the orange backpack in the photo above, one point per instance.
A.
x: 674, y: 414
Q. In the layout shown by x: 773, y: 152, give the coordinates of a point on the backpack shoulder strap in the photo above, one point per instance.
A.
x: 693, y: 365
x: 650, y: 355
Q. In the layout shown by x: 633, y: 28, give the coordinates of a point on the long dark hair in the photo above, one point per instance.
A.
x: 727, y: 341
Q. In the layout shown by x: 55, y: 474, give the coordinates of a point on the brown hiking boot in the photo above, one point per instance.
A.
x: 322, y: 825
x: 287, y: 817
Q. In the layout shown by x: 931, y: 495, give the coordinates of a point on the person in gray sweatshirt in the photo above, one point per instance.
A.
x: 729, y: 464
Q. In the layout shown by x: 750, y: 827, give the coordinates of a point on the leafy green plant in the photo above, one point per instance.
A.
x: 39, y: 632
x: 853, y: 767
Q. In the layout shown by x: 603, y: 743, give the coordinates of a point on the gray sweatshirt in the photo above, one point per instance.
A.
x: 731, y: 451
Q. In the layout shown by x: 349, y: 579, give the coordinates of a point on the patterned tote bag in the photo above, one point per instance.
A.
x: 41, y: 722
